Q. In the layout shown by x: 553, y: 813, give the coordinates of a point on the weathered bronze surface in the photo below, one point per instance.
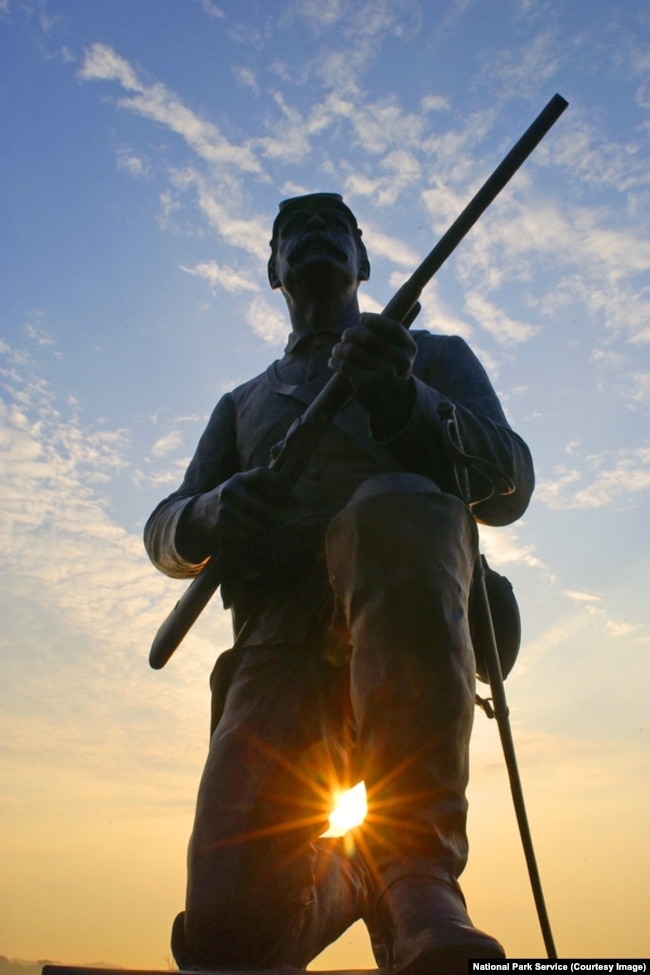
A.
x: 352, y: 656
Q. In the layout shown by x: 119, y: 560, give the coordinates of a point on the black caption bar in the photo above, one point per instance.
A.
x: 518, y: 966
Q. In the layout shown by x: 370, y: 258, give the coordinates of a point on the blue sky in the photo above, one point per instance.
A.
x: 146, y: 146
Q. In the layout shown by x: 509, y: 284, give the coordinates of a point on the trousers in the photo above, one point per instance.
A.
x: 264, y: 887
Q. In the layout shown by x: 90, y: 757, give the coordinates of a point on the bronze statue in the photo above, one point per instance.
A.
x: 352, y: 656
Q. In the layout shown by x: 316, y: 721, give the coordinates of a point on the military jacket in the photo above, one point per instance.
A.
x: 250, y: 420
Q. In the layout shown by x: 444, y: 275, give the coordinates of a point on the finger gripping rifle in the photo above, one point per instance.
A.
x: 308, y: 430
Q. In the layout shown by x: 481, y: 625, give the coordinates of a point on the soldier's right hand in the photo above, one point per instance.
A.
x: 241, y: 520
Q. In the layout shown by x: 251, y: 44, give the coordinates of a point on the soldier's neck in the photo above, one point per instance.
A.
x: 323, y: 312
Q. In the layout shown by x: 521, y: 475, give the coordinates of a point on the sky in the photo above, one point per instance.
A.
x: 147, y: 144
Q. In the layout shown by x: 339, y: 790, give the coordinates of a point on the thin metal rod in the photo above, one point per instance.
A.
x: 502, y: 716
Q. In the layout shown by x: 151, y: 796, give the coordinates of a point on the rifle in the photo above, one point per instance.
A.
x: 308, y: 430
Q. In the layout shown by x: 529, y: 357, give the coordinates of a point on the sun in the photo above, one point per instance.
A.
x: 350, y: 808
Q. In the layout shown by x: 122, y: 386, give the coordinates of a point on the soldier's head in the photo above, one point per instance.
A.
x: 316, y: 228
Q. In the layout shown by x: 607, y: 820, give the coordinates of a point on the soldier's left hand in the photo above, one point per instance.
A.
x: 377, y: 357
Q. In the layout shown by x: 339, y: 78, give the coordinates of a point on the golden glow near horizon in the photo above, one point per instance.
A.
x: 350, y: 809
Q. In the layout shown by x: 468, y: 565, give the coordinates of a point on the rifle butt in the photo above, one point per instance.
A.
x: 184, y: 614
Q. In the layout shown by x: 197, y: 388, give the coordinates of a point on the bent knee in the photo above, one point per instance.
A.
x: 401, y: 525
x: 394, y: 483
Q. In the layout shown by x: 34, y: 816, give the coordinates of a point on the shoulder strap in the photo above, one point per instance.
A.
x: 352, y: 419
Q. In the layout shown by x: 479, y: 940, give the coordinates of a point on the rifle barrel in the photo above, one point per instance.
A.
x: 337, y: 390
x: 478, y: 204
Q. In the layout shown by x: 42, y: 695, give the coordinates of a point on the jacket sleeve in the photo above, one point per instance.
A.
x: 216, y: 459
x: 449, y: 371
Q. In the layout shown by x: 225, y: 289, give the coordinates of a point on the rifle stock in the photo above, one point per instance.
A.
x: 307, y: 432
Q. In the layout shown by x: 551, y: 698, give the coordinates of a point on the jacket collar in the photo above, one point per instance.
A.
x: 302, y: 341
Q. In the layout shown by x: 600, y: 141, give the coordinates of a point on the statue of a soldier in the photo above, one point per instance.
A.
x: 352, y: 656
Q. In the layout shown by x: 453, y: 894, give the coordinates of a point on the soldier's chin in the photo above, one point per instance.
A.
x: 328, y: 255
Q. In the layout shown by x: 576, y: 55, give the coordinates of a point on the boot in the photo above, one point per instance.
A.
x: 341, y: 894
x: 426, y: 928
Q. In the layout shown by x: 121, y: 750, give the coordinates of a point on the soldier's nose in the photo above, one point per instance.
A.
x: 316, y: 221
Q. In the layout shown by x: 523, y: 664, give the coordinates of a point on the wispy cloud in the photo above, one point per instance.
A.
x: 434, y: 103
x: 102, y: 63
x: 602, y: 163
x: 56, y: 523
x: 36, y: 330
x: 503, y: 547
x: 221, y: 276
x: 522, y: 68
x: 403, y: 172
x: 580, y: 596
x: 246, y: 78
x: 562, y: 631
x: 361, y: 27
x: 79, y: 591
x: 155, y: 101
x: 617, y: 374
x: 212, y: 9
x: 268, y: 321
x: 623, y: 309
x: 382, y: 244
x: 167, y: 444
x: 438, y: 316
x: 595, y: 265
x: 618, y: 477
x: 223, y: 215
x: 503, y: 329
x: 383, y: 126
x: 132, y: 163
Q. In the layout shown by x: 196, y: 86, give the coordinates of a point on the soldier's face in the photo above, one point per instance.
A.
x: 312, y: 236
